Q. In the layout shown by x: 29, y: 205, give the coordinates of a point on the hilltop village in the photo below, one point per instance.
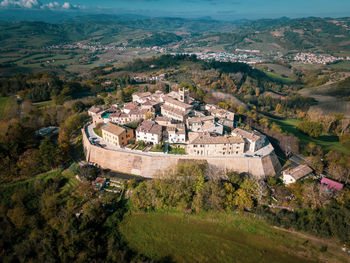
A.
x: 175, y: 121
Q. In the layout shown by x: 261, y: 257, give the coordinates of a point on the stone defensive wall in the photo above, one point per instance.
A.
x: 148, y: 165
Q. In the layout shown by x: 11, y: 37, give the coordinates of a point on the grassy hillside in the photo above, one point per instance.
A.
x: 218, y: 238
x: 327, y: 142
x: 5, y: 103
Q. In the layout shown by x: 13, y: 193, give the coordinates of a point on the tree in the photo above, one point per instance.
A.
x: 48, y: 153
x: 278, y: 108
x: 229, y: 196
x: 149, y: 115
x: 78, y: 106
x: 30, y: 163
x: 313, y: 129
x: 98, y: 101
x: 87, y: 172
x: 242, y: 199
x: 244, y: 196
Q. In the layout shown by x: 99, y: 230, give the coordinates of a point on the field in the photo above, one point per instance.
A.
x: 220, y: 237
x: 344, y: 65
x: 5, y: 103
x: 279, y: 78
x: 327, y: 142
x: 279, y: 69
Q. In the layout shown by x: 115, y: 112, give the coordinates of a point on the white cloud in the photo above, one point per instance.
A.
x: 66, y: 5
x: 35, y: 4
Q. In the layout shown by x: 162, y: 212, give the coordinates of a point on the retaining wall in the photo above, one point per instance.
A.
x: 147, y: 166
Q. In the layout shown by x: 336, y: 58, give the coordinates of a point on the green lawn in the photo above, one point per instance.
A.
x: 5, y: 103
x: 327, y: 142
x: 157, y: 148
x: 217, y: 237
x: 98, y: 131
x: 174, y: 150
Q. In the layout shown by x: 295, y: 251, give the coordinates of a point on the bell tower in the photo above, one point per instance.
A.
x: 184, y: 95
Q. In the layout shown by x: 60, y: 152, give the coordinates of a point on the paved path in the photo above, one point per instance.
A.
x: 268, y: 149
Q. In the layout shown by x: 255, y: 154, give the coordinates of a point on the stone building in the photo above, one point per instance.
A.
x: 117, y: 135
x: 175, y: 109
x: 205, y: 144
x: 94, y: 111
x: 217, y: 112
x: 255, y: 140
x: 141, y: 97
x: 196, y: 124
x: 133, y: 115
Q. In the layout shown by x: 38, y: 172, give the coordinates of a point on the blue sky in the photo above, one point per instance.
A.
x: 218, y: 9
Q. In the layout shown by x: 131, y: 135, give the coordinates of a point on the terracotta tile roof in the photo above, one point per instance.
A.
x: 178, y: 129
x: 162, y: 118
x: 200, y: 119
x: 131, y: 105
x: 136, y: 112
x: 251, y: 135
x: 208, y: 125
x: 95, y: 109
x: 177, y: 103
x: 148, y: 126
x: 226, y: 122
x: 113, y: 128
x: 298, y: 172
x: 100, y: 180
x: 143, y: 94
x: 174, y: 110
x: 206, y: 138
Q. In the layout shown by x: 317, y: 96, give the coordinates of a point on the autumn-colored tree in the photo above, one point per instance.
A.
x: 30, y: 163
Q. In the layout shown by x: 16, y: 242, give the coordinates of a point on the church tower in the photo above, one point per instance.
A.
x: 184, y: 95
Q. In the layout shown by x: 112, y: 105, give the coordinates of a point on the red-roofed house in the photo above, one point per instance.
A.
x: 331, y: 185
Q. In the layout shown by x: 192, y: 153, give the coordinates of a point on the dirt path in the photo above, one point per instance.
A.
x: 333, y: 247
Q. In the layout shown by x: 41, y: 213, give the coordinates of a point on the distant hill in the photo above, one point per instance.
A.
x: 305, y: 34
x: 321, y: 34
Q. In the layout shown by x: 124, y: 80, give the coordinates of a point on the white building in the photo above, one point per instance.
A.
x: 176, y: 134
x: 149, y: 131
x: 141, y: 97
x: 292, y: 175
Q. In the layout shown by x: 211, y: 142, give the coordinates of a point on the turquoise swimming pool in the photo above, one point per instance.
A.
x: 105, y: 115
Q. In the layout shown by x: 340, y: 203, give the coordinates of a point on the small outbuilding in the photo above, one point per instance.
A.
x: 292, y: 175
x: 331, y: 185
x: 99, y: 183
